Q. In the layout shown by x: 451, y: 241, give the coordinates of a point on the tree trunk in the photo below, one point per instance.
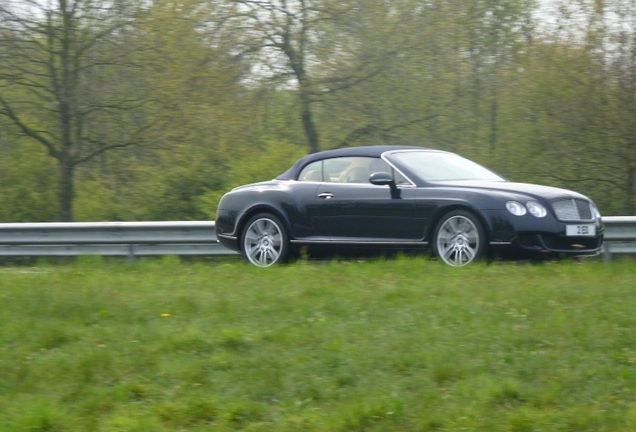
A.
x: 308, y: 123
x: 65, y: 189
x: 630, y: 207
x: 493, y: 124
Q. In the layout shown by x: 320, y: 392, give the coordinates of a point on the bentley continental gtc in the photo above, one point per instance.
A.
x: 404, y: 197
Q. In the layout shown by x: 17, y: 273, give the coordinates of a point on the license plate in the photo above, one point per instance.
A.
x: 580, y: 230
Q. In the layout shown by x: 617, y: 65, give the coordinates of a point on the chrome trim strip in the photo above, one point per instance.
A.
x: 577, y: 221
x: 227, y: 236
x: 499, y: 243
x: 406, y: 242
x: 402, y: 186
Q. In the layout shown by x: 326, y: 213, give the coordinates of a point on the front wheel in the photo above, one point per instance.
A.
x: 264, y: 241
x: 459, y: 238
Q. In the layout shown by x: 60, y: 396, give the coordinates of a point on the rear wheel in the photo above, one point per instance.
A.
x: 459, y: 238
x: 264, y: 241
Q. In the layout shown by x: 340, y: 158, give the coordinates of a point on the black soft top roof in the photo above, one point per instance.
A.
x: 368, y: 151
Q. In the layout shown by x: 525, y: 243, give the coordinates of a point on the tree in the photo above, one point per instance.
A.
x: 307, y: 45
x: 584, y: 82
x: 68, y: 80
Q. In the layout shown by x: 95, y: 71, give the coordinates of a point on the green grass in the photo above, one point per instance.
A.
x: 401, y: 345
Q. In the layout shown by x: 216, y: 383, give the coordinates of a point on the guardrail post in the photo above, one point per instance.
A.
x: 607, y: 253
x: 131, y: 253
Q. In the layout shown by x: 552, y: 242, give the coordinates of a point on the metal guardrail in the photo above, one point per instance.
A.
x: 619, y: 237
x: 129, y: 239
x: 133, y: 239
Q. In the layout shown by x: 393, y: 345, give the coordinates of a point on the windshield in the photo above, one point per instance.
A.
x: 438, y: 166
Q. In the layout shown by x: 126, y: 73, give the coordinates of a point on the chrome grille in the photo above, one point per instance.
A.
x: 572, y: 210
x: 585, y: 212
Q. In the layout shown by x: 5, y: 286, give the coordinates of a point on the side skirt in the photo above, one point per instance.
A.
x: 361, y: 243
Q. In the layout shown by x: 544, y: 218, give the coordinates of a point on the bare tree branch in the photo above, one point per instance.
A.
x: 103, y: 147
x: 8, y: 112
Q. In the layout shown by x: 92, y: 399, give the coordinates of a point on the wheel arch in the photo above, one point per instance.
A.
x: 256, y: 209
x: 458, y: 206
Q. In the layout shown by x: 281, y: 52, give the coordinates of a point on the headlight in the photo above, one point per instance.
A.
x: 536, y: 209
x: 516, y: 208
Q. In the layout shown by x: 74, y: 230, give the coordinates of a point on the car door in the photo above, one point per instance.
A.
x: 302, y: 209
x: 351, y: 210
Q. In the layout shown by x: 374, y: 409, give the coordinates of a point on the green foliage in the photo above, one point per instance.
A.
x: 27, y: 183
x: 200, y: 98
x: 189, y: 190
x: 404, y: 344
x: 251, y: 165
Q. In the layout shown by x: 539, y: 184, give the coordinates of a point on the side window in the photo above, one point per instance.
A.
x: 347, y: 170
x: 335, y: 169
x: 381, y: 165
x: 312, y: 172
x: 399, y: 178
x: 377, y: 165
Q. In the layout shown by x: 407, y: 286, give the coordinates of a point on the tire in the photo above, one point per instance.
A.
x: 459, y: 239
x: 264, y: 241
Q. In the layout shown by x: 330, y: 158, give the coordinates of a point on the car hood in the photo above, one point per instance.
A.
x: 547, y: 192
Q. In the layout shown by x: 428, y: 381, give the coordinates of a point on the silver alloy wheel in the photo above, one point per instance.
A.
x: 263, y: 242
x: 458, y: 241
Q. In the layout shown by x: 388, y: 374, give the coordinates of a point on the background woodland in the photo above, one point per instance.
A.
x: 123, y: 110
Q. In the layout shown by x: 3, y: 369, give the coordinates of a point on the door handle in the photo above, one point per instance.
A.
x: 325, y: 195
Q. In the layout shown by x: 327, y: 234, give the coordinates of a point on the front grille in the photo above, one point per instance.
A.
x: 585, y: 211
x: 572, y: 210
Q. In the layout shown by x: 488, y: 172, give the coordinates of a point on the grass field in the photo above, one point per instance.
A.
x: 400, y: 345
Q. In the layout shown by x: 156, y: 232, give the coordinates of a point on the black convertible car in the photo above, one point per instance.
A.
x: 404, y: 197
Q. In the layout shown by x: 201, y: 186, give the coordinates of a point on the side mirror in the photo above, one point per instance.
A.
x: 381, y: 178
